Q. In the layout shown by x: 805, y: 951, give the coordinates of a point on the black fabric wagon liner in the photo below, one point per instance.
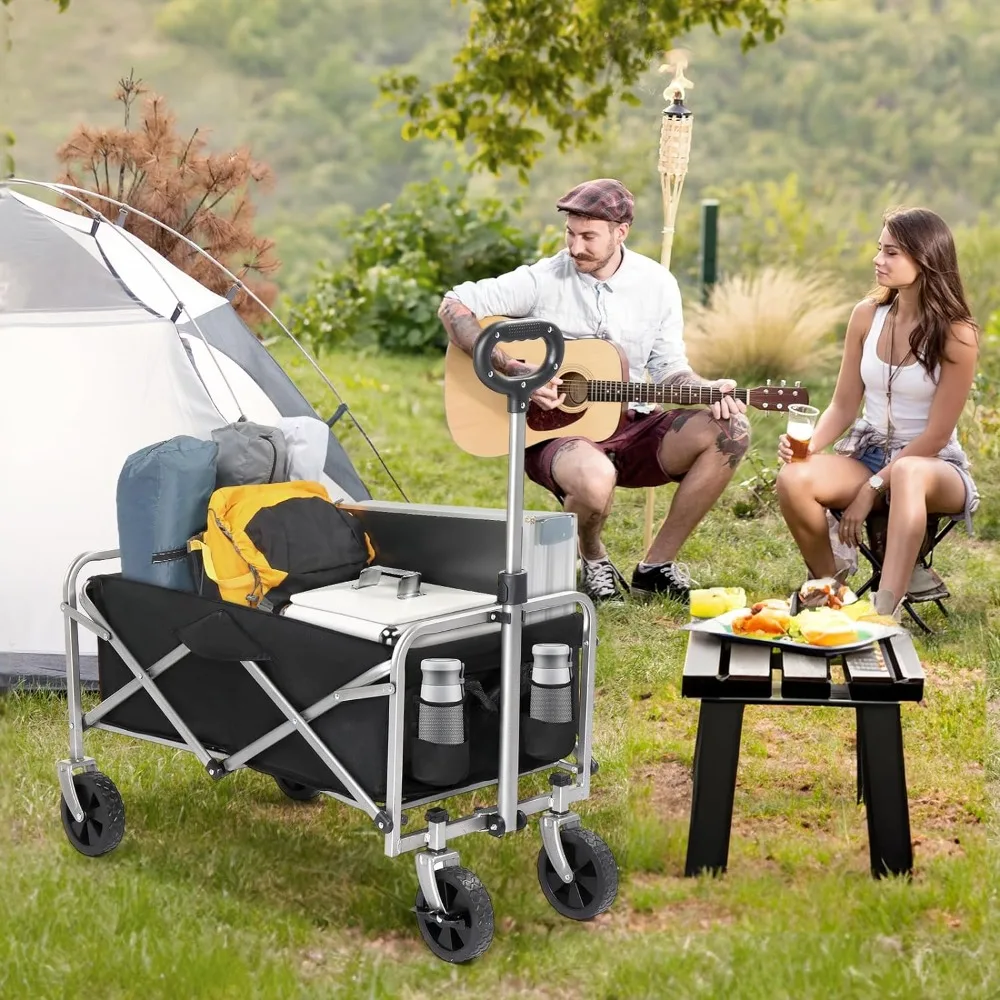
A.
x: 227, y: 710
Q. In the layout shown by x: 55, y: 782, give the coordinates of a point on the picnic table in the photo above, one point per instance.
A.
x: 727, y: 673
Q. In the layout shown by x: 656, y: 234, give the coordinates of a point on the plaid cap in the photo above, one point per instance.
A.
x: 603, y: 198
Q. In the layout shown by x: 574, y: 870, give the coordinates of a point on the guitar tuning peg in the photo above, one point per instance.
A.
x: 798, y: 385
x: 782, y: 381
x: 768, y: 382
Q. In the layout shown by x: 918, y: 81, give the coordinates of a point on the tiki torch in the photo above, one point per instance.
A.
x: 676, y: 123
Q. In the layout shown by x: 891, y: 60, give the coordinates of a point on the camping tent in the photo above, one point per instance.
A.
x: 105, y: 347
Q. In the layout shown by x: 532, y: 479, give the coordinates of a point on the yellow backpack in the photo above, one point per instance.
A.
x: 268, y: 541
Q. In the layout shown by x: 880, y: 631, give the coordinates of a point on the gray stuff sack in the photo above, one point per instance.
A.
x: 250, y: 453
x: 162, y: 500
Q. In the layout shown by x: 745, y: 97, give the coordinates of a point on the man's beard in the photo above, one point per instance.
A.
x: 594, y: 264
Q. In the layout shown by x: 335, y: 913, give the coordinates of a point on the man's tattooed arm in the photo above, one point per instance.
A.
x: 463, y: 329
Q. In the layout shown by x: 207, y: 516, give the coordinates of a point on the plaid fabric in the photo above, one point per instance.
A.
x: 603, y: 198
x: 863, y: 436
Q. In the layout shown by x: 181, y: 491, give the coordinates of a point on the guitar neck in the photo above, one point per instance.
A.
x: 603, y: 391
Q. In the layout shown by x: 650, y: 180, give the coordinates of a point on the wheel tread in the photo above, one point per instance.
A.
x: 111, y: 798
x: 607, y: 875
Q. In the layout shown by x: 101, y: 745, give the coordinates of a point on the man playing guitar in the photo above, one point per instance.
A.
x: 597, y: 287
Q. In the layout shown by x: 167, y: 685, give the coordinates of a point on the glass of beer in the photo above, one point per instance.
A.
x: 801, y: 423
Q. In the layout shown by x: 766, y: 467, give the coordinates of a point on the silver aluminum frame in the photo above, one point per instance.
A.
x: 384, y: 680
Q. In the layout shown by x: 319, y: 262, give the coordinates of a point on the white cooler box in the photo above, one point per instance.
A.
x: 380, y: 604
x: 464, y: 547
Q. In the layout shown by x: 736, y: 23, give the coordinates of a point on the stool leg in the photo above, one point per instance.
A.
x: 716, y: 756
x: 914, y: 614
x: 880, y: 738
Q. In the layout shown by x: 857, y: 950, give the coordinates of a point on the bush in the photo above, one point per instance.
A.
x: 979, y: 426
x: 401, y: 258
x: 774, y: 324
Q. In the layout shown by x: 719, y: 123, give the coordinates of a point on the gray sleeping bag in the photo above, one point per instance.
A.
x: 250, y: 453
x: 162, y: 499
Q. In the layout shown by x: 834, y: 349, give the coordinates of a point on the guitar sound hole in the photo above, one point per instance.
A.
x: 575, y: 386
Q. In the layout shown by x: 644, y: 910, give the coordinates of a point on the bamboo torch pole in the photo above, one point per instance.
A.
x: 675, y: 147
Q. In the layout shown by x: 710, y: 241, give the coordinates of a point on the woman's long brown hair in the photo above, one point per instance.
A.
x: 925, y: 237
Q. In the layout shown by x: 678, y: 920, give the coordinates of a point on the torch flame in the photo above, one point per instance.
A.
x: 676, y: 61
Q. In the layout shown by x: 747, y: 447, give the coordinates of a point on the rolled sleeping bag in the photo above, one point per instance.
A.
x: 162, y: 500
x: 250, y: 454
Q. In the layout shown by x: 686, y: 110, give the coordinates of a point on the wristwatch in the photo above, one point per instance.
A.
x: 877, y: 483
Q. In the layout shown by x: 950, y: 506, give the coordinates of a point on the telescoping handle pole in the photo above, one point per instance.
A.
x: 512, y: 585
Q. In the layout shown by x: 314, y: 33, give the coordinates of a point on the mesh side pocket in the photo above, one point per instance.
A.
x: 441, y: 724
x: 551, y: 704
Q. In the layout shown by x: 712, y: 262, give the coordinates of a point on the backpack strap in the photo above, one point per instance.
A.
x: 244, y: 581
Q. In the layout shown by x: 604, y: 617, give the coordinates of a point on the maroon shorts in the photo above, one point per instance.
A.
x: 634, y: 452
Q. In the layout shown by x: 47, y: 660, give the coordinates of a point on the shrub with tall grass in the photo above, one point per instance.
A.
x: 775, y: 323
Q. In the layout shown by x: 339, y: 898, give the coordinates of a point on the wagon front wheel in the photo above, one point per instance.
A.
x: 595, y: 876
x: 464, y: 930
x: 103, y: 824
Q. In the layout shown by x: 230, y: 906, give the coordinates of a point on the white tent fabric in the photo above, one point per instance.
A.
x: 115, y: 381
x: 96, y: 362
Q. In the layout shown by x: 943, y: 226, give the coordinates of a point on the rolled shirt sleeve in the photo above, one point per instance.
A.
x: 513, y: 294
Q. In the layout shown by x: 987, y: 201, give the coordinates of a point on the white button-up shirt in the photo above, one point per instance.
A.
x: 638, y: 307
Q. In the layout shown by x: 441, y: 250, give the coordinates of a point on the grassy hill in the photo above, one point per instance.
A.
x: 859, y: 104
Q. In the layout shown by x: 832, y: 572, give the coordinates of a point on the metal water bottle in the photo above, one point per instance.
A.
x: 442, y: 695
x: 551, y: 691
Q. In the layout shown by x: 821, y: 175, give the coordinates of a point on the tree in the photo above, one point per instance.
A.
x: 557, y: 62
x: 202, y: 196
x: 400, y: 258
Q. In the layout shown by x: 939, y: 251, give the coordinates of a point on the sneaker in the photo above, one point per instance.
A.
x: 602, y: 581
x: 672, y: 579
x: 885, y: 603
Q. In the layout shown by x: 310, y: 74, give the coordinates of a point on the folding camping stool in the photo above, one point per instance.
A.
x: 328, y: 696
x: 874, y: 551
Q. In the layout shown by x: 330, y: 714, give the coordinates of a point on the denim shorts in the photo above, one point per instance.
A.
x: 872, y: 459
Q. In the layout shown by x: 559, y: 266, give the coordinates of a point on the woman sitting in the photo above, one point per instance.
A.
x: 910, y: 354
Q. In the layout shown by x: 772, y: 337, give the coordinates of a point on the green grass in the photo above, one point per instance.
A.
x: 230, y: 890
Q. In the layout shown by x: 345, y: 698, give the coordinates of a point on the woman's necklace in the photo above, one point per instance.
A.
x: 893, y: 371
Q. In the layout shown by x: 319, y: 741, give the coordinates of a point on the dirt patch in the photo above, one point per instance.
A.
x: 934, y: 811
x: 683, y: 915
x: 946, y: 678
x: 670, y: 788
x: 327, y: 957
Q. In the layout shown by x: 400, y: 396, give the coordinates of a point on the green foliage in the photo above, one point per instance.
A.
x: 758, y: 494
x: 319, y: 60
x: 401, y: 258
x: 979, y: 429
x: 559, y: 64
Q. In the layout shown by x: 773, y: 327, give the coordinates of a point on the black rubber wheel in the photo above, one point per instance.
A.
x: 301, y: 793
x: 595, y: 876
x: 469, y: 930
x: 103, y: 824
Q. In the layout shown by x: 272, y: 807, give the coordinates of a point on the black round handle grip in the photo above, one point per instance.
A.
x: 518, y: 388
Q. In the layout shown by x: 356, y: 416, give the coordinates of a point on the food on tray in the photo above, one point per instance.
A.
x: 717, y: 601
x: 828, y: 592
x: 864, y: 611
x: 766, y: 618
x: 823, y: 627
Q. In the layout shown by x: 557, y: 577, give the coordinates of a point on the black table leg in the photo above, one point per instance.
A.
x: 716, y: 756
x: 880, y: 740
x: 858, y: 755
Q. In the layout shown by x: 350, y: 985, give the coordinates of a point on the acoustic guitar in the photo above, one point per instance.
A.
x: 594, y: 377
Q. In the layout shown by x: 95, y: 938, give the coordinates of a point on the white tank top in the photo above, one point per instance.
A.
x: 912, y: 389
